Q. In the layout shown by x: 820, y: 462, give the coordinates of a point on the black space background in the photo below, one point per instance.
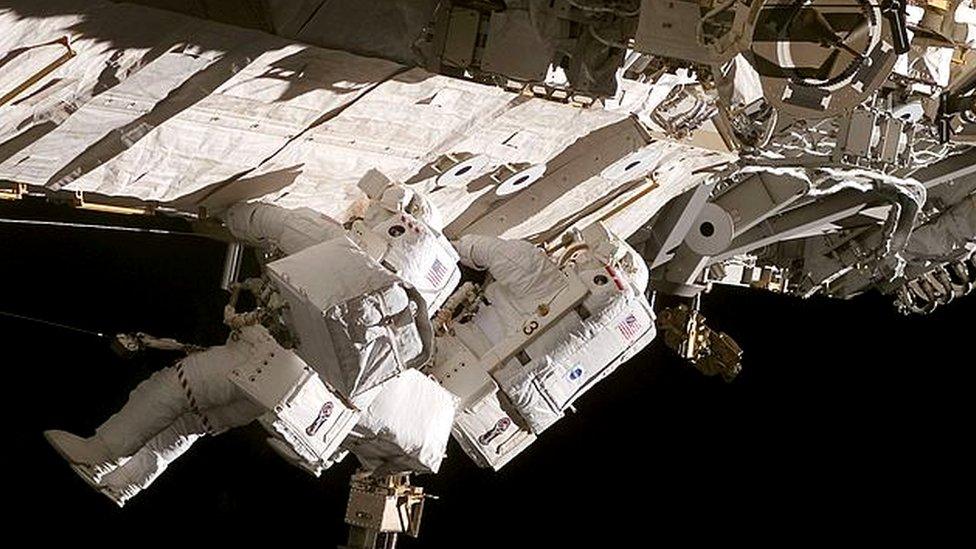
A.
x: 848, y: 419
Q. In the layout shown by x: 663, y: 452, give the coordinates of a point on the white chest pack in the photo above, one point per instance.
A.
x: 516, y: 373
x: 405, y: 427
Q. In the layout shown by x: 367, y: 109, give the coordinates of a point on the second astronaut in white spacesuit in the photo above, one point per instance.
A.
x: 537, y: 335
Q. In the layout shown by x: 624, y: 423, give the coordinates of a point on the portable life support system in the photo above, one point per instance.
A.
x: 355, y: 323
x: 364, y: 332
x: 516, y: 367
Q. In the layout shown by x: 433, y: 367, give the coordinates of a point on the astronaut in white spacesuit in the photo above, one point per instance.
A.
x: 537, y: 335
x: 176, y: 406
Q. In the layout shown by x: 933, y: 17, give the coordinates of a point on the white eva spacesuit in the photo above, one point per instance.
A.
x: 521, y: 350
x: 382, y: 276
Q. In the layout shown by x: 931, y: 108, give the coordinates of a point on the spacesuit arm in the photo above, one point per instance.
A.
x: 476, y: 251
x: 501, y: 257
x: 522, y: 268
x: 273, y: 227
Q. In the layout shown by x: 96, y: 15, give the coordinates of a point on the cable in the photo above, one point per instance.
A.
x: 45, y: 223
x: 53, y: 324
x: 607, y: 42
x: 601, y: 9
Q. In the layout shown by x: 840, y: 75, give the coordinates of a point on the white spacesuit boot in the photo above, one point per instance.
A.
x: 142, y: 469
x: 152, y: 407
x: 89, y: 457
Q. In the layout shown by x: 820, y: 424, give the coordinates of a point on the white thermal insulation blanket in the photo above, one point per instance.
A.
x: 405, y: 428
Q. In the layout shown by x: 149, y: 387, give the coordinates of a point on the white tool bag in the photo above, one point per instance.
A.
x: 302, y: 412
x: 356, y: 323
x: 404, y: 428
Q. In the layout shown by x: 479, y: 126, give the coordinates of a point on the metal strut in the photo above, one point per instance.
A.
x: 381, y: 508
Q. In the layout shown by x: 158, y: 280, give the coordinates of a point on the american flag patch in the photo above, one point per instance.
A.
x: 436, y: 273
x: 630, y: 327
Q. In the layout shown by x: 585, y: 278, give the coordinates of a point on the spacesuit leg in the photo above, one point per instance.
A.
x: 151, y: 460
x: 196, y: 384
x: 152, y: 406
x: 139, y: 472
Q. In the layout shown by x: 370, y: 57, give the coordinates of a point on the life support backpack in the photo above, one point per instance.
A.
x: 356, y: 323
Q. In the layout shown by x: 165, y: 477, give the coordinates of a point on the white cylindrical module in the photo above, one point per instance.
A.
x: 712, y: 231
